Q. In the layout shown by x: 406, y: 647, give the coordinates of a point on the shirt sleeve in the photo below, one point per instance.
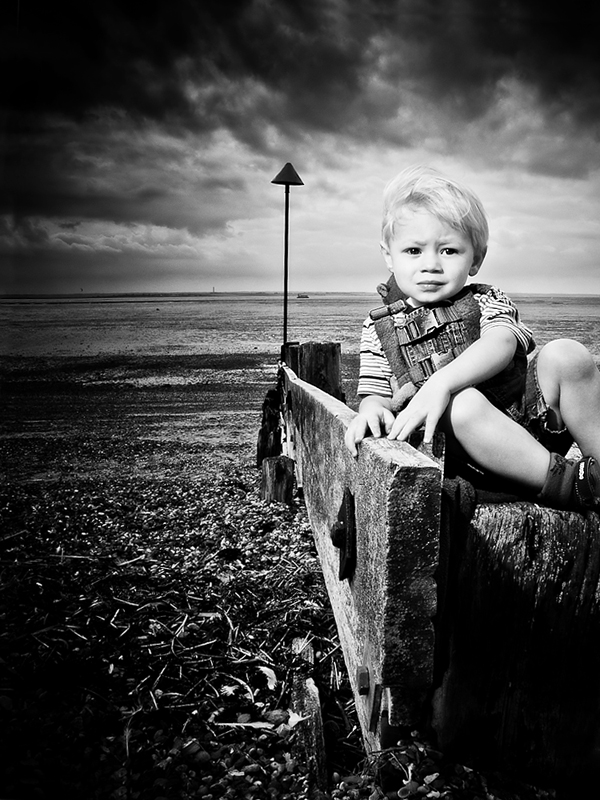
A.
x: 375, y: 372
x: 498, y: 310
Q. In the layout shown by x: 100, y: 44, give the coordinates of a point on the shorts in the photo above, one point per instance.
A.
x: 532, y: 412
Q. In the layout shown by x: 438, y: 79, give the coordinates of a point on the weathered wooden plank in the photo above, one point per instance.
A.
x: 515, y: 667
x: 384, y: 611
x: 310, y: 740
x: 522, y: 688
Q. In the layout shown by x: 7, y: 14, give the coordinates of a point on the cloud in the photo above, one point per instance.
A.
x: 305, y: 63
x: 154, y: 130
x: 108, y: 168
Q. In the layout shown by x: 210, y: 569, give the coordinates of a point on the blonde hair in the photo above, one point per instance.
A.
x: 425, y: 188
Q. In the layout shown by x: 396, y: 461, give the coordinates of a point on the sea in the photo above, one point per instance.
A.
x: 221, y: 323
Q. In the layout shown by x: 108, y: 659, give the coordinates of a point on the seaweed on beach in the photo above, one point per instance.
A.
x: 147, y: 636
x: 152, y: 606
x: 146, y: 649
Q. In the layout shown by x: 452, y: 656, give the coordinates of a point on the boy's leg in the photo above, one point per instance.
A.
x: 495, y: 441
x: 570, y: 383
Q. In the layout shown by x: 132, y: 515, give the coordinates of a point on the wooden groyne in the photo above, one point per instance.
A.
x: 477, y: 619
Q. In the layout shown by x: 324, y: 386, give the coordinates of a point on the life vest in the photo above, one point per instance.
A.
x: 424, y: 340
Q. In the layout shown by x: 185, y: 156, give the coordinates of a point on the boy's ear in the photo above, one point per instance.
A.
x: 386, y: 255
x: 477, y: 262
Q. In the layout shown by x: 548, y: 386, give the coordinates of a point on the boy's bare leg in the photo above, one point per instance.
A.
x: 495, y: 441
x: 570, y: 383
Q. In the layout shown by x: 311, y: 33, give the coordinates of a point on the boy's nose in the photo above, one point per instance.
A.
x: 431, y: 263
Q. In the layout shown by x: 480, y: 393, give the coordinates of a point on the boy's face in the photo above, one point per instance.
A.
x: 431, y: 261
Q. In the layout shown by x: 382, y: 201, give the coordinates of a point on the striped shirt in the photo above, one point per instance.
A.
x: 497, y: 310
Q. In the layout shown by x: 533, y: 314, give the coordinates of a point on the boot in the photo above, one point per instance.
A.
x: 587, y: 483
x: 573, y: 485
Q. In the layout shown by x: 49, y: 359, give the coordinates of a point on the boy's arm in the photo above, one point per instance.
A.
x: 375, y: 416
x: 485, y: 358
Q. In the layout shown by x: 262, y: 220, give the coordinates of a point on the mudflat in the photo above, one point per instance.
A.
x: 149, y: 597
x: 129, y: 413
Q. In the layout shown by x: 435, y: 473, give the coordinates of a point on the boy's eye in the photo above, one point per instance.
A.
x: 449, y: 251
x: 413, y: 251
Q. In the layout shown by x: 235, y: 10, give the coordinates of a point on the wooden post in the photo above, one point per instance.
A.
x: 310, y: 741
x: 289, y: 355
x: 277, y: 483
x: 269, y: 435
x: 317, y: 363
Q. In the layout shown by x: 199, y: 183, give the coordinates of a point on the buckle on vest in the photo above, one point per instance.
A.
x: 420, y: 324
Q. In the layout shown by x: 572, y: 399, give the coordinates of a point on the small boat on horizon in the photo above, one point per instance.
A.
x: 303, y: 296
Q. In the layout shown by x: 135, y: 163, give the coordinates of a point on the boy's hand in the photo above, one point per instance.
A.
x: 426, y: 407
x: 375, y: 419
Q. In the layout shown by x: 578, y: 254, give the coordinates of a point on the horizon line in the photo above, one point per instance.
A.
x: 292, y: 295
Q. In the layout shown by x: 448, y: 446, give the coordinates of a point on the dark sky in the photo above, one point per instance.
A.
x: 140, y: 139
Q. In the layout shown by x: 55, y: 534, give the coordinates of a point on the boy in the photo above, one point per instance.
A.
x: 453, y: 356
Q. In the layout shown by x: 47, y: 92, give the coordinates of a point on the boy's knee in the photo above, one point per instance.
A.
x: 566, y: 360
x: 467, y: 406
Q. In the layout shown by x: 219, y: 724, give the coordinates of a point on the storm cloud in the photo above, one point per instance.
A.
x: 163, y: 114
x: 315, y: 60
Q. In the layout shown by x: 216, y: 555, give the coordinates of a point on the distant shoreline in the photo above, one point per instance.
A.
x: 88, y: 295
x: 175, y: 297
x: 153, y: 296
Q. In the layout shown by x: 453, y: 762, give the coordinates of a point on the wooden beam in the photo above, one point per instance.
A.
x: 512, y: 662
x: 384, y: 611
x: 521, y: 690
